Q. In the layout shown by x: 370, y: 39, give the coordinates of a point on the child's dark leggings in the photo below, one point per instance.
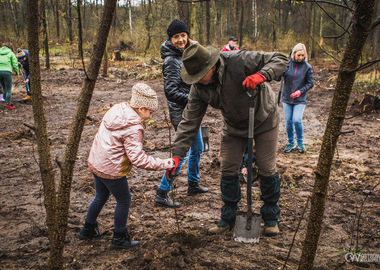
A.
x: 120, y: 190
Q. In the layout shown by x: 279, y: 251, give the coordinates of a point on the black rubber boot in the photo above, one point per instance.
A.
x: 89, y: 231
x: 194, y: 188
x: 123, y: 241
x: 163, y: 199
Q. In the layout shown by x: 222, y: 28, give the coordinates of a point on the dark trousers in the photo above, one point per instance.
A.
x: 6, y: 83
x: 120, y: 190
x: 232, y: 151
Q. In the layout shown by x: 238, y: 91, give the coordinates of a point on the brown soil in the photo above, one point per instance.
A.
x: 23, y: 233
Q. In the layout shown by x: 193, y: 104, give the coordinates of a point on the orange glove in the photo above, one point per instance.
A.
x: 296, y: 94
x: 253, y: 80
x: 169, y: 172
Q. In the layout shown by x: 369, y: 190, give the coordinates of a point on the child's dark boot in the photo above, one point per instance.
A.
x: 123, y: 240
x: 89, y: 231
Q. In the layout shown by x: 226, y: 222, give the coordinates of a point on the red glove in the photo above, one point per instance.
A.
x: 169, y: 172
x: 253, y: 80
x: 296, y: 94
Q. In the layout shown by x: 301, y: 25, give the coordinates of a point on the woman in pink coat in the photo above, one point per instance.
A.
x: 118, y: 146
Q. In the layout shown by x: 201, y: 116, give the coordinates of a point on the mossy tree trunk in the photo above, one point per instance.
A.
x: 362, y: 19
x: 57, y: 203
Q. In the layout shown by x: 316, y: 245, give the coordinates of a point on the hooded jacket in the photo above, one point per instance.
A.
x: 298, y: 76
x: 118, y: 145
x: 8, y: 60
x: 176, y: 91
x: 228, y: 95
x: 25, y: 64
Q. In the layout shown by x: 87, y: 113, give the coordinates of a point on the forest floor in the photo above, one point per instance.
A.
x: 23, y: 234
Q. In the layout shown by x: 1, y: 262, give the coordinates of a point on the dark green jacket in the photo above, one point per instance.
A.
x: 228, y: 95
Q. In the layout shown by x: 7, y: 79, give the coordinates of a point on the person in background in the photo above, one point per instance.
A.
x: 23, y: 60
x: 222, y: 80
x: 231, y: 46
x: 177, y: 92
x: 117, y: 147
x: 298, y: 80
x: 8, y: 63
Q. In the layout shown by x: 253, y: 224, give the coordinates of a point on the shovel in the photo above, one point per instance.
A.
x: 26, y: 84
x: 247, y: 226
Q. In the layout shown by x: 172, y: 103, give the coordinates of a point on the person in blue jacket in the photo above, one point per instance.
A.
x: 23, y: 60
x: 177, y: 92
x: 298, y: 80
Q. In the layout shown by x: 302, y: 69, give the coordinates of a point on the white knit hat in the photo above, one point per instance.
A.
x: 144, y: 96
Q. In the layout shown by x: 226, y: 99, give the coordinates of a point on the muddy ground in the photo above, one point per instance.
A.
x: 24, y: 243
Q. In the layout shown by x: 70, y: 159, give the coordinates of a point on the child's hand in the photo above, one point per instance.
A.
x: 169, y: 163
x: 244, y: 171
x: 169, y: 172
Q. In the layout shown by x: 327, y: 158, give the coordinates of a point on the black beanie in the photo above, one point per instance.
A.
x: 177, y: 26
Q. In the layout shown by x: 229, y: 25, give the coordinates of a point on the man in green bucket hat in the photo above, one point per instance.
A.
x: 222, y: 80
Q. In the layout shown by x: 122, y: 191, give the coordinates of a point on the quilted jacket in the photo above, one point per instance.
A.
x: 176, y: 91
x: 118, y: 145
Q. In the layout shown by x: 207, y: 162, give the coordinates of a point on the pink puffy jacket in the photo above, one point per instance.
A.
x: 119, y: 144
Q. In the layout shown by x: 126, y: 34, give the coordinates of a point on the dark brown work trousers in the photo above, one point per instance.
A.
x: 233, y: 148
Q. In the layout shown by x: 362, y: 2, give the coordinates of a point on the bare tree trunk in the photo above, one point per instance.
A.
x: 68, y: 17
x: 241, y: 23
x: 55, y: 9
x: 183, y: 13
x: 364, y: 10
x: 148, y: 26
x: 80, y: 33
x: 57, y: 207
x: 375, y: 35
x: 236, y: 21
x: 254, y: 15
x: 43, y: 147
x: 14, y: 15
x: 105, y: 63
x: 208, y: 22
x: 130, y: 16
x: 45, y: 33
x: 3, y: 17
x: 57, y: 19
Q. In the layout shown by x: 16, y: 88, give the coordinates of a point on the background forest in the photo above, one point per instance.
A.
x: 141, y: 24
x: 58, y: 33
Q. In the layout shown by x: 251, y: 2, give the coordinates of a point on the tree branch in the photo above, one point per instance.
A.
x: 345, y: 31
x: 328, y: 15
x: 364, y: 66
x: 375, y: 23
x: 331, y: 3
x: 326, y: 52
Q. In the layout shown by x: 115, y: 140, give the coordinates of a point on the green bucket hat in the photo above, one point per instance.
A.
x: 197, y: 62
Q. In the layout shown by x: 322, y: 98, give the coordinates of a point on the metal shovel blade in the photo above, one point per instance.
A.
x: 244, y: 234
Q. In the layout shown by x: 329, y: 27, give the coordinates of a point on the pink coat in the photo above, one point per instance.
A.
x: 119, y: 144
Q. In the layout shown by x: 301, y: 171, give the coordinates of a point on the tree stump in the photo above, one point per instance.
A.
x: 369, y: 102
x: 116, y: 56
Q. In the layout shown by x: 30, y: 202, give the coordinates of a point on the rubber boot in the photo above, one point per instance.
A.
x: 123, y: 241
x: 163, y: 199
x: 194, y: 188
x: 89, y: 231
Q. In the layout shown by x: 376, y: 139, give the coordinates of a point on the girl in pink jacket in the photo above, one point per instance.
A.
x: 117, y: 146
